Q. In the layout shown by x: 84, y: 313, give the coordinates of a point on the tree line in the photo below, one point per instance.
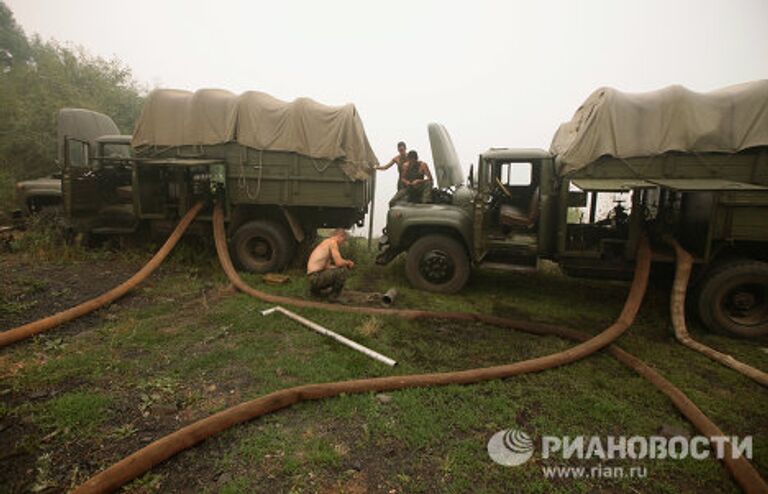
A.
x: 39, y: 77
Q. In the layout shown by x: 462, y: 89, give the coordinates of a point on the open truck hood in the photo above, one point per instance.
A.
x: 448, y: 170
x: 85, y: 125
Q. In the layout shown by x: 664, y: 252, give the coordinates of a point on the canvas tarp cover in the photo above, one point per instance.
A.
x: 257, y: 120
x: 85, y: 125
x: 626, y: 125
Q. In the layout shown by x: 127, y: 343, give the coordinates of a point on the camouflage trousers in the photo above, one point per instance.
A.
x: 413, y: 193
x: 332, y: 278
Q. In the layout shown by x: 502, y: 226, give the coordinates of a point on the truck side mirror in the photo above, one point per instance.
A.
x: 471, y: 177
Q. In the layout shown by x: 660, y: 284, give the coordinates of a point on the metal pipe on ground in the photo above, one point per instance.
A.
x: 143, y: 460
x: 388, y: 299
x: 677, y: 311
x: 22, y: 332
x: 327, y: 332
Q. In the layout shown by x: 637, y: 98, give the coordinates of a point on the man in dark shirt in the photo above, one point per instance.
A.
x: 416, y: 180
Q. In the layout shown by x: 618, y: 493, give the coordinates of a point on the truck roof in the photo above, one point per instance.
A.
x: 516, y: 154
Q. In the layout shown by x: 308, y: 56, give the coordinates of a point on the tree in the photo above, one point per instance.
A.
x: 37, y: 78
x: 13, y: 43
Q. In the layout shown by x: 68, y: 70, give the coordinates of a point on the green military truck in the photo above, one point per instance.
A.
x: 669, y: 164
x: 282, y: 170
x: 103, y: 138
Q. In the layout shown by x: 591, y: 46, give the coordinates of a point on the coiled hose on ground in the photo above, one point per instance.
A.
x: 677, y: 311
x: 22, y: 332
x: 143, y: 460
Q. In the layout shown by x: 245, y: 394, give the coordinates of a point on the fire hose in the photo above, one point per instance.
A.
x: 27, y: 330
x: 164, y: 448
x: 677, y: 310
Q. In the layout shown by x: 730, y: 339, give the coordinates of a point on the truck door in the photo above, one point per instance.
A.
x: 79, y: 183
x: 482, y: 205
x: 512, y: 209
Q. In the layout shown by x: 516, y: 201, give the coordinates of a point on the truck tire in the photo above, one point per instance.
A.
x: 262, y: 247
x: 437, y: 263
x: 733, y: 297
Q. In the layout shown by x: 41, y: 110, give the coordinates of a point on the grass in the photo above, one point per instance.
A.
x: 194, y: 348
x: 78, y: 412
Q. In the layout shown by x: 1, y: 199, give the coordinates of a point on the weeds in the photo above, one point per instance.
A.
x: 124, y: 432
x: 47, y: 238
x: 370, y: 327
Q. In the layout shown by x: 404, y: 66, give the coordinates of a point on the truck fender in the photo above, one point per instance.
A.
x: 453, y: 222
x: 294, y: 224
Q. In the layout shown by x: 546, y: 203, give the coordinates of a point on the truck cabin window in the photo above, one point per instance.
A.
x: 512, y: 183
x: 114, y: 155
x: 514, y: 174
x: 77, y: 153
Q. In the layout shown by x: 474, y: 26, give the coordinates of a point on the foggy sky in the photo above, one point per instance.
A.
x: 495, y: 73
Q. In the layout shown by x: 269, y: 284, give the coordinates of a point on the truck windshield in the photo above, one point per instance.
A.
x: 116, y: 150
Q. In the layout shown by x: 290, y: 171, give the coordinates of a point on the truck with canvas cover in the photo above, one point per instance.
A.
x: 282, y: 170
x: 670, y: 164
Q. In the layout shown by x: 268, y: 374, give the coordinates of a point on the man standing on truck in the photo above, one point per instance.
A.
x: 416, y: 180
x: 323, y: 275
x: 400, y: 159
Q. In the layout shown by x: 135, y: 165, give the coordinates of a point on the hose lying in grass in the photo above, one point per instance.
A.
x: 677, y: 309
x: 22, y: 332
x: 143, y: 460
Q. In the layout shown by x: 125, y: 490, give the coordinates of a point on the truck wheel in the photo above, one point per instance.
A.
x: 437, y: 263
x: 262, y: 247
x: 734, y: 298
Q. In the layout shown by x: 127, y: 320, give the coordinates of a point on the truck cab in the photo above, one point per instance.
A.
x: 89, y: 143
x: 503, y: 217
x: 513, y: 208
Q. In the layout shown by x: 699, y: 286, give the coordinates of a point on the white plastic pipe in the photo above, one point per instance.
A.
x: 327, y: 332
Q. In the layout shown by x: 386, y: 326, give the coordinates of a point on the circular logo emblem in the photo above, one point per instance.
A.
x: 510, y: 447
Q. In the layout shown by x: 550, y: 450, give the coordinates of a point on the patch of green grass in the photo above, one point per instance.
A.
x: 239, y: 485
x: 320, y: 453
x: 70, y: 365
x: 15, y: 307
x: 79, y: 412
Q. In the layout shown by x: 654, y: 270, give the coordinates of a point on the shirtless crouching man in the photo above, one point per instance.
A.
x: 321, y: 273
